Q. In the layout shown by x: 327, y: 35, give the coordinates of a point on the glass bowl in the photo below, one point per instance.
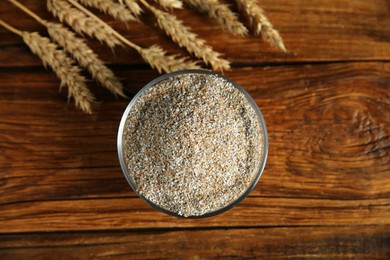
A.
x: 260, y: 167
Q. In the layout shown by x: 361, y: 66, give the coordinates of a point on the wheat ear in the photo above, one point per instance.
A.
x: 153, y: 55
x: 185, y: 38
x: 112, y: 8
x: 62, y: 65
x: 260, y: 23
x: 158, y: 59
x: 86, y: 57
x: 81, y: 23
x: 220, y: 12
x: 170, y: 4
x: 79, y: 50
x: 133, y: 6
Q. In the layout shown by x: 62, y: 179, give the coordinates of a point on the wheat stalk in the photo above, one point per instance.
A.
x: 81, y: 23
x: 62, y: 65
x: 170, y: 4
x: 153, y: 55
x: 158, y: 59
x: 86, y: 57
x: 133, y: 6
x: 185, y: 38
x: 260, y: 23
x: 79, y: 50
x: 112, y: 8
x: 220, y: 12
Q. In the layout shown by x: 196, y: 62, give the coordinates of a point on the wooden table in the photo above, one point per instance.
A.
x: 325, y: 191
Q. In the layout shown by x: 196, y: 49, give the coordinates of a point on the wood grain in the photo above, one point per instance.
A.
x: 321, y: 30
x: 133, y: 213
x: 360, y: 242
x: 328, y: 159
x: 314, y: 136
x: 325, y: 191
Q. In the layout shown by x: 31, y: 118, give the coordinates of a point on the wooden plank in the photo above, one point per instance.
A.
x: 358, y: 242
x: 133, y: 213
x: 323, y: 143
x: 321, y: 30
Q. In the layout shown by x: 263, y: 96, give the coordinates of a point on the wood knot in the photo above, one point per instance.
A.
x: 342, y: 135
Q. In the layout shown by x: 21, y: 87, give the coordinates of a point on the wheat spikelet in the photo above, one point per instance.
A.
x: 112, y: 8
x: 133, y: 6
x: 170, y: 4
x: 260, y: 23
x: 63, y: 66
x: 81, y: 23
x: 220, y: 12
x: 158, y: 59
x: 86, y: 57
x: 185, y: 38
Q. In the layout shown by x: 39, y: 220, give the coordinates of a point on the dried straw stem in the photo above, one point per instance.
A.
x: 80, y: 51
x: 170, y: 4
x: 10, y: 28
x: 28, y: 11
x: 112, y: 8
x: 81, y: 23
x: 185, y: 38
x: 153, y: 55
x: 220, y: 12
x: 260, y: 23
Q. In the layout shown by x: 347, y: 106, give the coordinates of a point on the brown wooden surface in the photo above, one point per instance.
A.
x: 325, y: 192
x: 367, y: 242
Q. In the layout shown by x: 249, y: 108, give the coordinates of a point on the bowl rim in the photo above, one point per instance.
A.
x: 120, y: 142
